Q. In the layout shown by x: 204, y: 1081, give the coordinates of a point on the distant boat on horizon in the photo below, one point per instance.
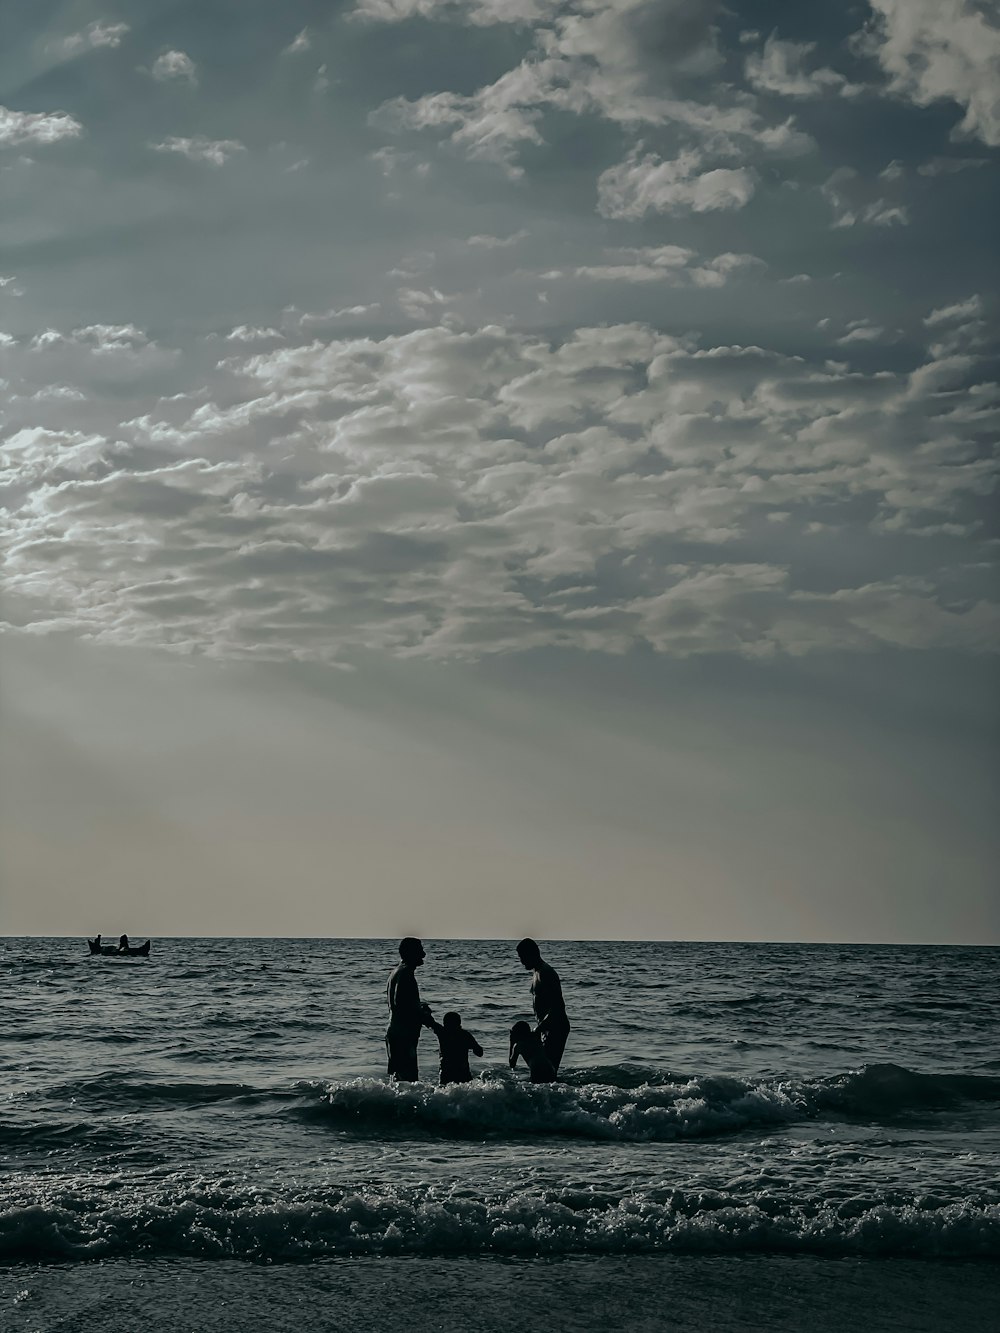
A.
x: 97, y: 946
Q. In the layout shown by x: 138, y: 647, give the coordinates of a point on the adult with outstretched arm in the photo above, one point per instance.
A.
x: 552, y: 1025
x: 406, y: 1014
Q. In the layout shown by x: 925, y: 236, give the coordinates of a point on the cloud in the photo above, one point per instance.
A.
x: 641, y: 185
x: 327, y: 320
x: 423, y: 304
x: 717, y: 272
x: 63, y: 367
x: 949, y: 166
x: 498, y: 242
x: 941, y: 50
x: 625, y: 61
x: 856, y: 201
x: 96, y: 36
x: 953, y: 314
x: 101, y: 338
x: 659, y: 263
x: 36, y: 454
x: 248, y: 333
x: 861, y: 331
x: 781, y: 68
x: 631, y: 264
x: 456, y: 493
x: 490, y: 126
x: 477, y: 13
x: 216, y: 152
x: 174, y: 66
x: 36, y: 127
x: 299, y: 44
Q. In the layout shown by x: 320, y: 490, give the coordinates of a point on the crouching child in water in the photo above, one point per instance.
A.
x: 528, y: 1045
x: 455, y: 1044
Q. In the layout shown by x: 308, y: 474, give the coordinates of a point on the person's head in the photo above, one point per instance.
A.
x: 519, y: 1031
x: 529, y: 953
x: 411, y: 951
x: 452, y: 1020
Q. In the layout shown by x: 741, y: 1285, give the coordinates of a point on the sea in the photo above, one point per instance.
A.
x: 787, y: 1136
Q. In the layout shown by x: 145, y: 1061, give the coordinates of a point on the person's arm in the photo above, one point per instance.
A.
x: 475, y: 1046
x: 514, y: 1052
x: 393, y: 995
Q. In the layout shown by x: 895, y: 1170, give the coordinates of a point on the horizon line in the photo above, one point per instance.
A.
x: 552, y: 939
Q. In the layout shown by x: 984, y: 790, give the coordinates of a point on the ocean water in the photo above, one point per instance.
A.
x: 224, y: 1104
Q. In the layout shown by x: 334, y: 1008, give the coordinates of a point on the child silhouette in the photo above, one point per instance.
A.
x: 455, y: 1044
x: 528, y: 1046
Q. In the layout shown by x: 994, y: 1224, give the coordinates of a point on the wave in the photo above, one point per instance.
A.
x: 216, y: 1221
x: 503, y: 1106
x: 46, y: 1136
x: 627, y: 1103
x: 886, y: 1090
x: 117, y: 1088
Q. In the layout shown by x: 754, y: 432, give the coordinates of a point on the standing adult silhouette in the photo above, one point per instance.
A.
x: 552, y: 1025
x: 406, y: 1013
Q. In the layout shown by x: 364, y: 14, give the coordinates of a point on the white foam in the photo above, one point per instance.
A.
x: 221, y: 1222
x: 504, y: 1105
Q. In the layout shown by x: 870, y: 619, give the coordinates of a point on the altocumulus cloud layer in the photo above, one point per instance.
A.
x: 463, y: 328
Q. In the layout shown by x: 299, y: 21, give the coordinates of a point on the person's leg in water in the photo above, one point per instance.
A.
x: 401, y: 1053
x: 554, y: 1043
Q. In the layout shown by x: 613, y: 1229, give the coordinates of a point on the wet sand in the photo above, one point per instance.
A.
x: 480, y: 1295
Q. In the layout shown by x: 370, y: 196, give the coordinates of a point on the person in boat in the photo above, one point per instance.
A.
x: 552, y: 1025
x: 123, y: 944
x: 455, y: 1044
x: 527, y: 1046
x: 406, y: 1013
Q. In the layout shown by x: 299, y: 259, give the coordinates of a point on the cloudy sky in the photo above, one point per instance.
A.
x: 475, y: 467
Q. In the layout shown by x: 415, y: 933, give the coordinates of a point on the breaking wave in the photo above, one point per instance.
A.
x: 661, y: 1108
x: 222, y: 1222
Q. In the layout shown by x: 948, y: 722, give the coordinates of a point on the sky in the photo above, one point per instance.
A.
x: 499, y: 467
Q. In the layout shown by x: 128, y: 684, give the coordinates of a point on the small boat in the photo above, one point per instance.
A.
x: 117, y: 951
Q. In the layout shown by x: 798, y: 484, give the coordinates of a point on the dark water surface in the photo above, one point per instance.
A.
x: 225, y: 1100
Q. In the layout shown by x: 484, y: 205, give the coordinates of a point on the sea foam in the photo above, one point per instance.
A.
x: 221, y: 1221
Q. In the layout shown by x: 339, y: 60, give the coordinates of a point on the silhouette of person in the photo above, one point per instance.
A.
x: 123, y: 944
x: 406, y: 1014
x: 528, y: 1046
x: 455, y: 1044
x: 552, y: 1025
